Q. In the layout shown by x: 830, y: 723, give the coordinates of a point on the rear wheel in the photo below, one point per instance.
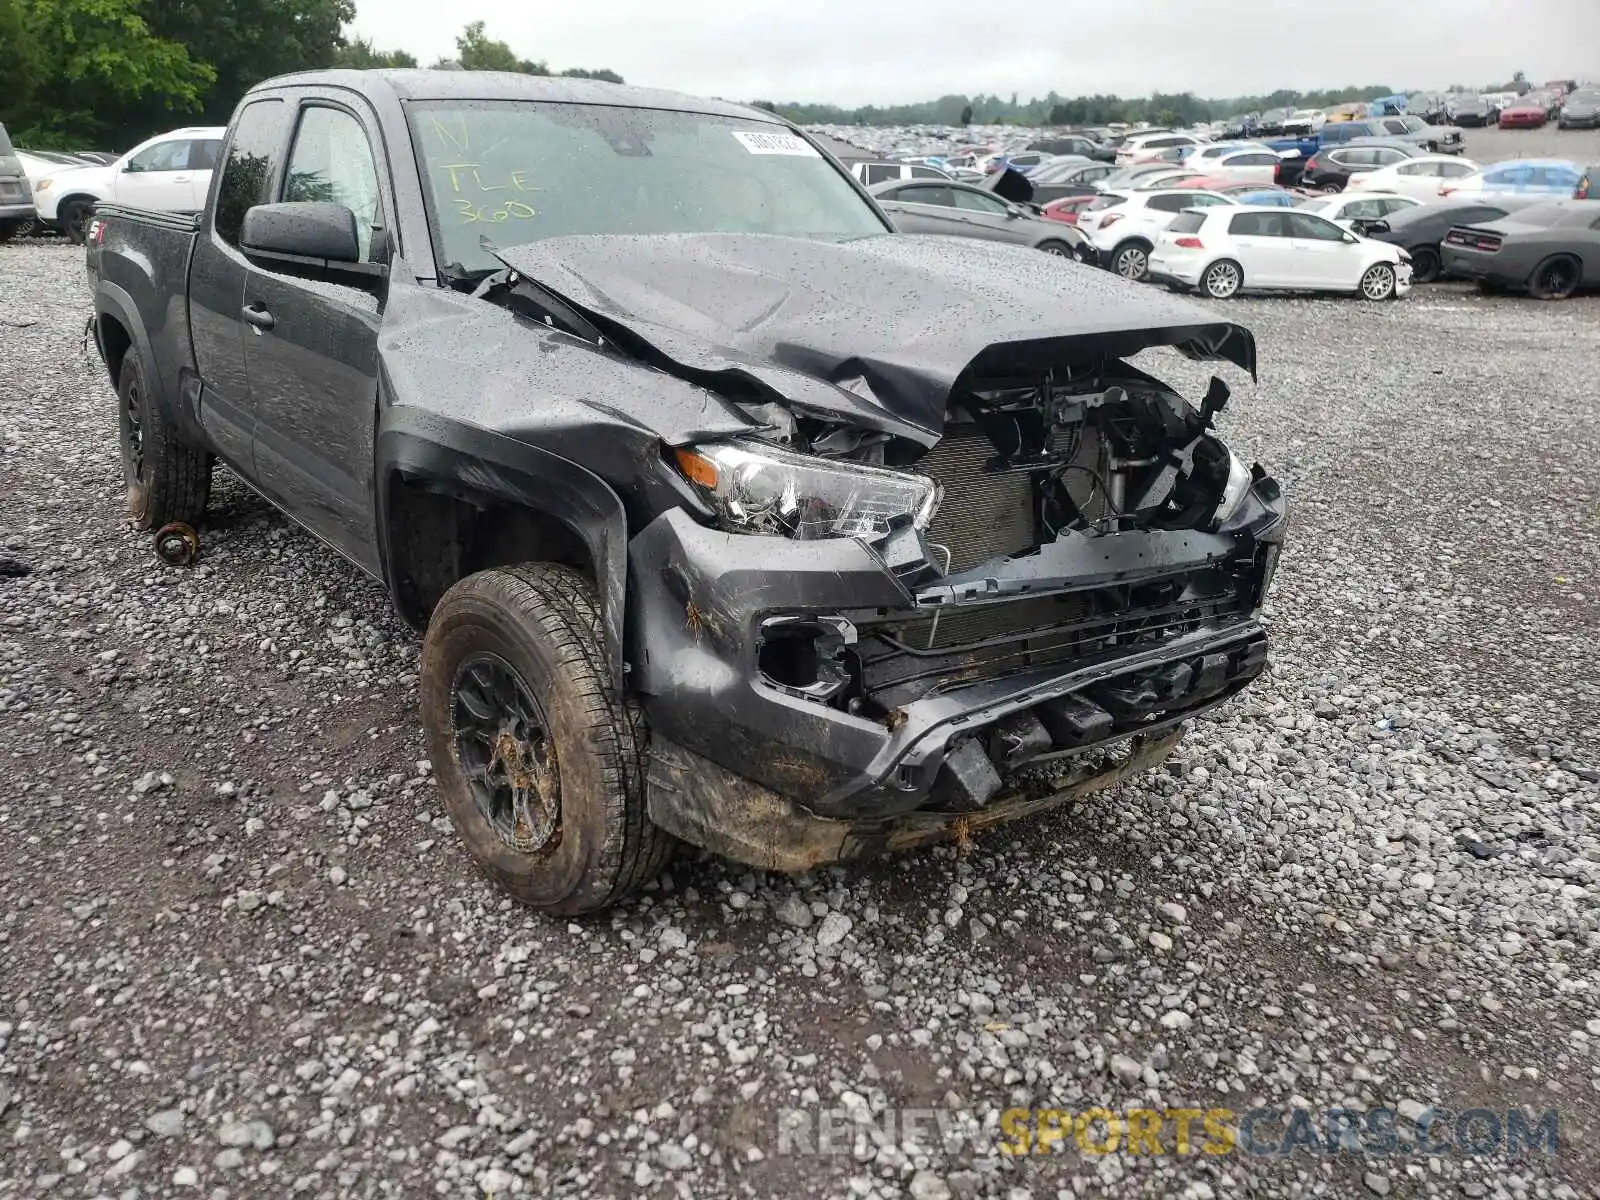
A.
x: 1555, y: 278
x: 1222, y: 279
x: 1379, y: 282
x: 1330, y: 188
x: 540, y: 760
x: 168, y: 479
x: 1059, y: 249
x: 1131, y: 260
x: 1424, y: 264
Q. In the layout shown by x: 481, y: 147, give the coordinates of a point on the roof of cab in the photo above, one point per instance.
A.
x: 510, y: 85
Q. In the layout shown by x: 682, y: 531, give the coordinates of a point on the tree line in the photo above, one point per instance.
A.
x: 106, y: 74
x: 1159, y: 108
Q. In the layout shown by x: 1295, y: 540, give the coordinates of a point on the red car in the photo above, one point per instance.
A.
x: 1067, y: 208
x: 1524, y: 115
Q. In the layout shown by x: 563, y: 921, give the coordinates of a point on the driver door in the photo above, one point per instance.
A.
x: 311, y: 345
x: 981, y: 211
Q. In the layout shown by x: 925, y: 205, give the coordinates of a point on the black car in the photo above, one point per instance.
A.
x: 1330, y: 170
x: 1475, y: 113
x: 1420, y: 231
x: 1075, y: 144
x: 731, y: 515
x: 1053, y: 181
x: 1581, y: 110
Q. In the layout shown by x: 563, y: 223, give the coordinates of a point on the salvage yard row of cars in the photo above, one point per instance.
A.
x: 1146, y: 209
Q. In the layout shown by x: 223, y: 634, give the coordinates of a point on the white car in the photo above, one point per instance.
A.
x: 1121, y: 226
x: 1147, y: 142
x: 1308, y: 120
x: 170, y: 172
x: 1250, y: 247
x: 1245, y: 165
x: 1419, y: 178
x: 1347, y: 209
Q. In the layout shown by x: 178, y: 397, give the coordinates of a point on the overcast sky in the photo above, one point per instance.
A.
x: 855, y: 52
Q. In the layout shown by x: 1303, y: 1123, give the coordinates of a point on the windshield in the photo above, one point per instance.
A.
x: 518, y: 171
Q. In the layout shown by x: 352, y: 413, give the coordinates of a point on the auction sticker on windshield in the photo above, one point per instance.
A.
x: 775, y: 143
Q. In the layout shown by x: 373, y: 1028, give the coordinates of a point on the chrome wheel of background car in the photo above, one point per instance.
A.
x: 505, y: 753
x: 1424, y: 265
x: 1555, y: 278
x: 1222, y: 280
x: 1379, y: 282
x: 1131, y: 262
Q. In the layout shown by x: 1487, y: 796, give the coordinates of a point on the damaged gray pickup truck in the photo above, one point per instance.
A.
x: 731, y: 515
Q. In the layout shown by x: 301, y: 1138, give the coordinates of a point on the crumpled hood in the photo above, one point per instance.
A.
x: 907, y: 314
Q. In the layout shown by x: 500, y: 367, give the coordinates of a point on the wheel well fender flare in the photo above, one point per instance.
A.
x: 113, y: 303
x: 486, y: 468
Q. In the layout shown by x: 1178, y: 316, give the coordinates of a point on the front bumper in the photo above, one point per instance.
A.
x: 1579, y: 122
x: 704, y: 605
x: 17, y: 212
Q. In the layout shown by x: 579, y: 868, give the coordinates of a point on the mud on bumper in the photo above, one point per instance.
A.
x: 743, y: 651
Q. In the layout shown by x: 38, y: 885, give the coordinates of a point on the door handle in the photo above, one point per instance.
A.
x: 257, y: 315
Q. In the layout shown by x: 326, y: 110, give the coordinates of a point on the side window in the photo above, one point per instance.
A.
x: 1454, y: 170
x: 1254, y: 160
x: 1395, y: 126
x: 1363, y: 210
x: 1170, y: 203
x: 254, y: 154
x: 881, y: 172
x: 1257, y: 225
x: 973, y: 202
x: 1205, y: 201
x: 332, y: 161
x: 924, y: 194
x: 1512, y: 176
x: 203, y: 154
x: 1304, y: 225
x: 163, y: 156
x: 1415, y: 168
x: 1387, y: 158
x: 925, y: 173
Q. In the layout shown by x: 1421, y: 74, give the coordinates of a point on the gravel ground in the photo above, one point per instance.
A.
x: 241, y: 953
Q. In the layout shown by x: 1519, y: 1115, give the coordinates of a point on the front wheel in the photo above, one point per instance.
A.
x: 1222, y: 280
x: 1059, y: 249
x: 168, y: 480
x: 1379, y: 282
x: 1330, y: 188
x: 73, y: 218
x: 1555, y: 278
x: 540, y: 760
x: 1424, y: 264
x: 1131, y: 261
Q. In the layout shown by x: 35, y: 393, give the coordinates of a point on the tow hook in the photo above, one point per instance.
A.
x: 177, y: 544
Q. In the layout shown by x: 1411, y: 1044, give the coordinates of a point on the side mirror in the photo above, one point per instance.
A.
x: 1372, y: 227
x: 306, y: 230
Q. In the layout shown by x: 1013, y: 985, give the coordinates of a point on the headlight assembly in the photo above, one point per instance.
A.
x: 755, y: 488
x: 1234, y: 491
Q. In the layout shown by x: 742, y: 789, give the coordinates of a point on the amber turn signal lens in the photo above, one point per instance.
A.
x: 696, y: 469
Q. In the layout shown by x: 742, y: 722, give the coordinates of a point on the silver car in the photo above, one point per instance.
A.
x: 16, y: 197
x: 928, y: 206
